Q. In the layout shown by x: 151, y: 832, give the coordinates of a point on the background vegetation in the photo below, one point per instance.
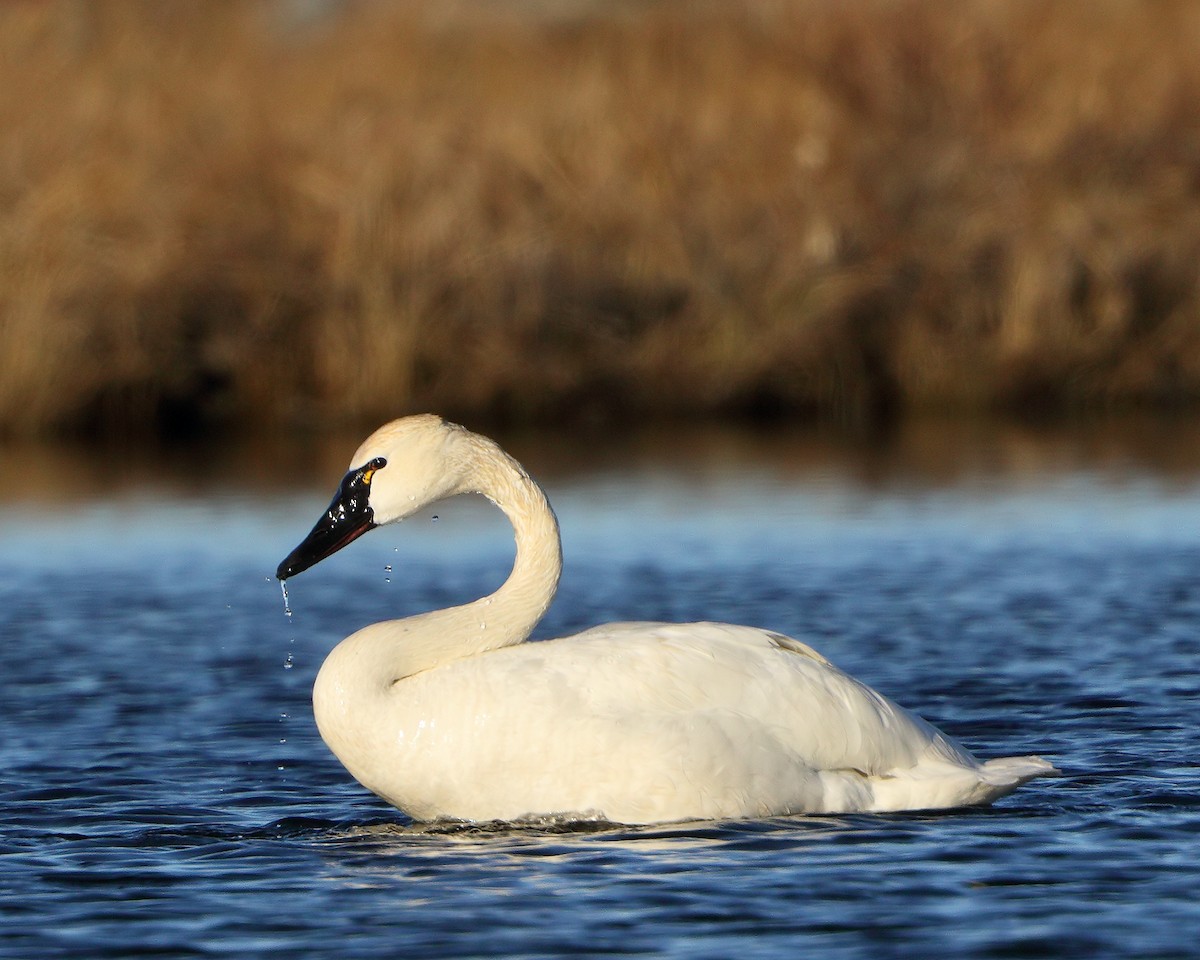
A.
x: 213, y: 215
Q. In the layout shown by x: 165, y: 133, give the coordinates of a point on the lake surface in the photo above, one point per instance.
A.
x: 163, y: 790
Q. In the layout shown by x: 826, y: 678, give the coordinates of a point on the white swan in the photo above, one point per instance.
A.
x: 449, y: 715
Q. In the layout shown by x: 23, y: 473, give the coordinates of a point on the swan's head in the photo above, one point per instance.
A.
x: 400, y: 468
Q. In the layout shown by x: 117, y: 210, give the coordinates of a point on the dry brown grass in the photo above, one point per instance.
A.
x: 808, y: 208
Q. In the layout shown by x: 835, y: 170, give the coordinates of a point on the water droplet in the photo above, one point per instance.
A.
x: 283, y: 719
x: 435, y: 518
x: 287, y: 608
x: 387, y: 568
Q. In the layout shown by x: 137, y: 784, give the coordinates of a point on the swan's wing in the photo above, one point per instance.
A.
x: 647, y: 722
x: 747, y: 680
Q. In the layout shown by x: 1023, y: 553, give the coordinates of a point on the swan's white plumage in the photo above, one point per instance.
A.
x: 449, y: 714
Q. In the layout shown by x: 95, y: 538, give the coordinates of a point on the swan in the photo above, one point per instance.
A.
x: 451, y: 715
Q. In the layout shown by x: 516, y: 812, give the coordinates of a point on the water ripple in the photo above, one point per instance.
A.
x: 164, y: 792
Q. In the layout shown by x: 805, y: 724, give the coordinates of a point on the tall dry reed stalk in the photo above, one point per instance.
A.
x: 210, y: 217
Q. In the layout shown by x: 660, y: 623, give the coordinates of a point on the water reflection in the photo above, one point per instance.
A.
x: 919, y: 453
x: 764, y: 493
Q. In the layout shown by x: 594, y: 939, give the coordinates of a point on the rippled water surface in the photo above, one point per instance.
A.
x: 164, y: 789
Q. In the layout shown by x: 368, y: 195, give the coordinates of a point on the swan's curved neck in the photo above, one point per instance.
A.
x: 509, y: 615
x: 380, y: 654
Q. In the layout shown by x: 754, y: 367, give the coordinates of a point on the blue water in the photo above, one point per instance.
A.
x: 163, y: 790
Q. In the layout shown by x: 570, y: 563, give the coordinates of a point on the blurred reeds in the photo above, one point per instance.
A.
x: 212, y: 217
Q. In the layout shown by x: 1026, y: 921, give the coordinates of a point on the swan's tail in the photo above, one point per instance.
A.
x: 1000, y: 777
x: 939, y: 784
x: 1008, y: 773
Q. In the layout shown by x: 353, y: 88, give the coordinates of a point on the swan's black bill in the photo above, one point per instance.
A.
x: 349, y: 516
